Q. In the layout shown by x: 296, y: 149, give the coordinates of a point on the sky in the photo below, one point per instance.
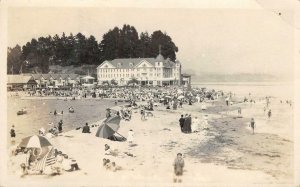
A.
x: 239, y: 36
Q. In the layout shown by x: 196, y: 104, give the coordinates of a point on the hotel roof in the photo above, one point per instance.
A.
x: 128, y: 63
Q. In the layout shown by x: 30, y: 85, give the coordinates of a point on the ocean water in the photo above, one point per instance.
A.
x: 39, y: 114
x: 282, y: 90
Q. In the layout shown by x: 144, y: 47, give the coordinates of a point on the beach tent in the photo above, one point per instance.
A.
x: 34, y: 142
x: 109, y: 127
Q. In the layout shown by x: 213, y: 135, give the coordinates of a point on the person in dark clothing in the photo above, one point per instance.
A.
x: 60, y: 126
x: 269, y: 114
x: 189, y: 123
x: 12, y: 135
x: 86, y: 128
x: 185, y: 124
x: 181, y: 123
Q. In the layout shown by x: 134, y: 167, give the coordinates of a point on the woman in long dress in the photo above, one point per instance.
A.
x: 195, y: 124
x: 204, y: 123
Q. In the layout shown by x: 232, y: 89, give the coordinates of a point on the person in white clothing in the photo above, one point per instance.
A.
x: 130, y: 136
x: 195, y: 124
x: 205, y: 122
x: 203, y: 106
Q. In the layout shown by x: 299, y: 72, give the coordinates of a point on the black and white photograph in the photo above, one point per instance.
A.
x: 150, y: 93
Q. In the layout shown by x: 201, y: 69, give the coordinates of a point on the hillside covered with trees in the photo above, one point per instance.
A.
x: 76, y: 50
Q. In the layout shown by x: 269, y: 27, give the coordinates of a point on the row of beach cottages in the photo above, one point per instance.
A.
x: 30, y: 81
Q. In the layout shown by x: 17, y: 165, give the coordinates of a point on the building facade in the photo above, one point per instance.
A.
x: 147, y: 71
x: 55, y: 80
x: 20, y: 82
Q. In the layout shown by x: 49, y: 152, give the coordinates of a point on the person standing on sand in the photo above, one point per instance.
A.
x: 252, y: 125
x: 130, y: 137
x: 178, y: 167
x: 269, y: 114
x: 195, y: 125
x: 60, y: 126
x: 188, y: 121
x: 239, y: 112
x: 13, y: 135
x: 185, y: 124
x: 181, y: 123
x: 227, y: 101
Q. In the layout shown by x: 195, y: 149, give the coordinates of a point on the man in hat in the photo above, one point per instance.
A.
x: 181, y: 123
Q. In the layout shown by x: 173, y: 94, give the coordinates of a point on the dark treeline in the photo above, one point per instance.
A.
x: 77, y: 50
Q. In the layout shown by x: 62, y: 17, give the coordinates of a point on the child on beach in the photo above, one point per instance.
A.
x: 252, y: 124
x: 178, y: 167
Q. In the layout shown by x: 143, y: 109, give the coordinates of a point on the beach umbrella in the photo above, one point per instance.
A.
x: 109, y: 127
x: 34, y: 141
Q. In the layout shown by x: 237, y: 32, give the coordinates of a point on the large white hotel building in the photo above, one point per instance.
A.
x: 148, y: 71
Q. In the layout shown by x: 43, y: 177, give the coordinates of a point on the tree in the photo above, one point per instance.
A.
x: 14, y: 60
x: 109, y: 45
x: 92, y: 51
x: 79, y: 50
x: 143, y: 48
x: 113, y: 82
x: 168, y: 48
x: 128, y: 42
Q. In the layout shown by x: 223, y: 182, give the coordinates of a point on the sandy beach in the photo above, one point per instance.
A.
x: 224, y: 151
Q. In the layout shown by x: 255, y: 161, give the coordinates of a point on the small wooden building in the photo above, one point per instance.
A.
x: 20, y: 82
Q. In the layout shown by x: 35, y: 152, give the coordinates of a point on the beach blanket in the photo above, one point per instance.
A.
x: 47, y: 160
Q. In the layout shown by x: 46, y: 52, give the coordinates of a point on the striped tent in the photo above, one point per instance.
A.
x: 48, y: 160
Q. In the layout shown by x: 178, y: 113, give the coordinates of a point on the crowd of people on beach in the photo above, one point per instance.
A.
x: 139, y: 99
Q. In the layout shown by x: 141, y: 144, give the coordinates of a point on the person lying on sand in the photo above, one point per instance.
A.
x: 115, y: 152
